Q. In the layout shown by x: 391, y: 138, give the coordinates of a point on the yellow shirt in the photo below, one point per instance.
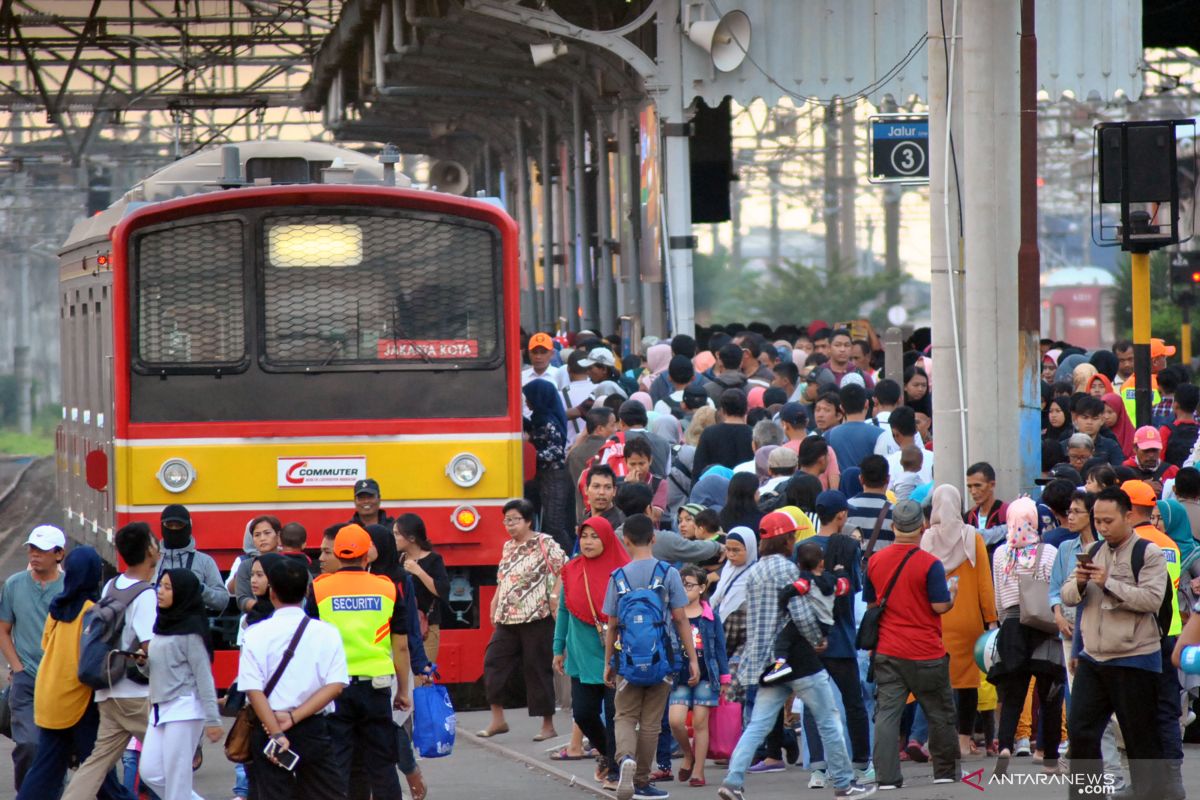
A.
x: 59, y: 699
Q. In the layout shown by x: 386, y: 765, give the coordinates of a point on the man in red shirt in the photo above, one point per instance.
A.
x: 1147, y: 459
x: 911, y: 585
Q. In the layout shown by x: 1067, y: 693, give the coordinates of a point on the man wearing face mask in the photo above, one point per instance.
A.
x: 179, y: 552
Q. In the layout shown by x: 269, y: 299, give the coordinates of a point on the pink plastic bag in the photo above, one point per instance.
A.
x: 724, y: 729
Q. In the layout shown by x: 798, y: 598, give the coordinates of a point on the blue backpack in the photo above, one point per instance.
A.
x: 644, y: 656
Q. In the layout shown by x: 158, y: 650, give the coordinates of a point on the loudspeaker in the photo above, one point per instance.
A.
x: 449, y: 176
x: 727, y: 40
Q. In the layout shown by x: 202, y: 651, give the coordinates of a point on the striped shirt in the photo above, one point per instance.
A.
x: 864, y: 510
x: 764, y: 619
x: 1008, y: 584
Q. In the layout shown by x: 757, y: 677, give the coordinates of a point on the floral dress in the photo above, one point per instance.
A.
x: 524, y: 579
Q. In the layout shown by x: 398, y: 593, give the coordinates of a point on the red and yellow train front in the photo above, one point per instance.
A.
x: 276, y: 345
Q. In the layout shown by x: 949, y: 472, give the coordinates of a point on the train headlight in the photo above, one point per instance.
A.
x: 465, y: 518
x: 465, y: 470
x: 176, y: 475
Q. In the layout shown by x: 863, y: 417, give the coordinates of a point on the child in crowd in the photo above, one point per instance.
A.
x: 821, y: 588
x: 907, y: 482
x: 708, y: 636
x: 708, y: 528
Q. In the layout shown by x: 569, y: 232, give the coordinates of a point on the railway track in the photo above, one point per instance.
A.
x: 28, y: 500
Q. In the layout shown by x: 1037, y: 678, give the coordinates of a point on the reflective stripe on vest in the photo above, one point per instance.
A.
x: 360, y: 606
x: 1170, y: 551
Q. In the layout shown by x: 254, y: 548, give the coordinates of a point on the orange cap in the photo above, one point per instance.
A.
x: 1159, y: 348
x: 541, y: 340
x: 352, y: 541
x: 1140, y: 493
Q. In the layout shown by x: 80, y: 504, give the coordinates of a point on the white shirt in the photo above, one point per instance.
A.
x: 885, y: 445
x: 139, y: 627
x: 577, y: 392
x: 319, y: 660
x: 556, y: 375
x: 895, y: 470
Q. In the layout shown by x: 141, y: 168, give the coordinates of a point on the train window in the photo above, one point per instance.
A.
x: 189, y: 284
x: 380, y: 289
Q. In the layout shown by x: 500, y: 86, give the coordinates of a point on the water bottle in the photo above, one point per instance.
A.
x: 1189, y: 659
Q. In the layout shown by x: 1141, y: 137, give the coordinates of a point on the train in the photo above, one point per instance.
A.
x: 1078, y: 306
x: 254, y: 328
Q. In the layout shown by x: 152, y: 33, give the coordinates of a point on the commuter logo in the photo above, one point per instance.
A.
x: 294, y: 473
x: 357, y: 603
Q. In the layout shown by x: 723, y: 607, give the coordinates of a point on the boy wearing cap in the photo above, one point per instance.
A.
x: 911, y: 656
x: 24, y: 606
x: 179, y: 552
x: 1147, y: 460
x: 771, y: 574
x: 364, y: 610
x: 601, y: 365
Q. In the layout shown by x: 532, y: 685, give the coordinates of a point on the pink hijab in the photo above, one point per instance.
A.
x: 644, y: 399
x: 1023, y: 536
x: 755, y: 397
x: 658, y: 358
x: 948, y: 537
x: 704, y: 361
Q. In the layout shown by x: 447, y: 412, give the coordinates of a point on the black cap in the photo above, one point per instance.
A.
x: 1064, y: 471
x: 793, y: 414
x: 366, y: 486
x: 176, y: 513
x: 694, y: 398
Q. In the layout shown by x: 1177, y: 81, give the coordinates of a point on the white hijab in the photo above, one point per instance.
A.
x: 731, y: 589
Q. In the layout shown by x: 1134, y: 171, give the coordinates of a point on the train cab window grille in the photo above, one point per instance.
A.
x: 190, y: 297
x: 379, y: 290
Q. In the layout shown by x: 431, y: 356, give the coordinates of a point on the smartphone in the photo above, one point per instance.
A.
x: 1083, y: 559
x: 288, y: 759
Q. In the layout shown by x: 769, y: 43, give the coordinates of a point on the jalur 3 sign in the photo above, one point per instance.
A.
x: 899, y: 149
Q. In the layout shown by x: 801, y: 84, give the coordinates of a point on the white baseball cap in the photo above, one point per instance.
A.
x: 599, y: 355
x: 47, y: 537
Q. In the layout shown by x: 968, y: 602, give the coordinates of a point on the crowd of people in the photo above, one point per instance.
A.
x: 747, y: 523
x: 767, y: 498
x: 329, y: 654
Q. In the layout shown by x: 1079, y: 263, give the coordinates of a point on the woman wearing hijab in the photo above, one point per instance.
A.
x: 1116, y: 419
x: 740, y: 507
x: 964, y: 556
x: 1081, y: 376
x: 1175, y: 524
x: 1024, y: 652
x: 668, y: 427
x: 644, y: 398
x: 1066, y: 368
x: 547, y: 432
x: 1098, y: 385
x: 658, y: 358
x: 1058, y: 419
x: 762, y: 465
x: 712, y: 489
x: 850, y: 483
x: 729, y: 599
x: 579, y: 638
x: 63, y: 708
x: 183, y: 698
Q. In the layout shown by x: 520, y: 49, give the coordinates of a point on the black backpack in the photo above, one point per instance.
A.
x: 1166, y: 609
x: 100, y: 666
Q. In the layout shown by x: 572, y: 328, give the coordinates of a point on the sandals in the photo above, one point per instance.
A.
x: 487, y: 734
x: 541, y: 737
x: 563, y: 755
x: 697, y: 782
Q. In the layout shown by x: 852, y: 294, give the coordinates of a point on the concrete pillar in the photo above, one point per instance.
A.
x: 530, y: 299
x: 833, y: 256
x: 630, y: 205
x: 583, y: 252
x: 545, y: 168
x: 949, y: 407
x: 849, y: 248
x: 991, y: 200
x: 606, y: 301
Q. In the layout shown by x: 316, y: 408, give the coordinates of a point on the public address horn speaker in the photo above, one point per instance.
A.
x: 727, y: 40
x: 449, y: 176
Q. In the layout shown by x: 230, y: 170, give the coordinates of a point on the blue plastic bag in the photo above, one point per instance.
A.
x: 433, y: 721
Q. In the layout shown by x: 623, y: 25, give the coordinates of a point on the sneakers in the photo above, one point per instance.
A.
x: 625, y: 779
x: 778, y: 671
x: 943, y: 780
x: 817, y: 779
x: 1022, y: 748
x: 729, y: 793
x: 864, y: 776
x: 917, y: 751
x: 763, y: 767
x: 887, y: 787
x: 854, y: 790
x: 649, y: 792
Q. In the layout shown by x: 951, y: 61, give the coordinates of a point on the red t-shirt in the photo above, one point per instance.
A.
x: 910, y: 628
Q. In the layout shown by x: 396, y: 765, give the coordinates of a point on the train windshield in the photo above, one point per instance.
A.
x: 317, y: 289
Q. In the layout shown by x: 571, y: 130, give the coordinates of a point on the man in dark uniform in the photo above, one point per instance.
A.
x: 366, y: 505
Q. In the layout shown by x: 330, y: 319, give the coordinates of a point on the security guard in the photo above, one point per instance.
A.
x: 363, y: 608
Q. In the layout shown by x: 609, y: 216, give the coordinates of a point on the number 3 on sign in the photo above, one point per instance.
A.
x: 907, y: 158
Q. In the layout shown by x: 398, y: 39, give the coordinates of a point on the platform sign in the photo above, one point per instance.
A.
x: 899, y: 148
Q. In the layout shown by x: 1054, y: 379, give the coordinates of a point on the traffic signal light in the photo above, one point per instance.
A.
x: 1185, y: 271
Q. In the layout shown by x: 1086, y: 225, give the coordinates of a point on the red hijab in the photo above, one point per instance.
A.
x: 596, y: 569
x: 1123, y: 430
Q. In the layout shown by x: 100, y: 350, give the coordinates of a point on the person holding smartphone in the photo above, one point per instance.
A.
x: 292, y: 750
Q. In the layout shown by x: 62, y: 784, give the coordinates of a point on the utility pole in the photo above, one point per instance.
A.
x: 945, y: 115
x: 1029, y: 260
x: 775, y: 252
x: 849, y: 250
x: 892, y: 192
x: 22, y: 374
x: 588, y: 297
x: 991, y: 123
x: 832, y: 255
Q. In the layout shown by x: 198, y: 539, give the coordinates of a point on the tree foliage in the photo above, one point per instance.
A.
x: 1165, y: 316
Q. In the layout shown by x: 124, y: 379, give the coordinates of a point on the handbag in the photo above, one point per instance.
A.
x: 235, y: 701
x: 6, y: 712
x: 868, y: 629
x: 724, y: 729
x: 237, y: 742
x: 434, y: 721
x: 1034, y: 594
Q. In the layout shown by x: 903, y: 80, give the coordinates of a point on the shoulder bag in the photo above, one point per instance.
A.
x: 883, y: 510
x: 237, y: 742
x: 868, y: 629
x: 1034, y: 593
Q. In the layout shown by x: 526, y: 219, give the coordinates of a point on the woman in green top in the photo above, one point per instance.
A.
x: 579, y: 636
